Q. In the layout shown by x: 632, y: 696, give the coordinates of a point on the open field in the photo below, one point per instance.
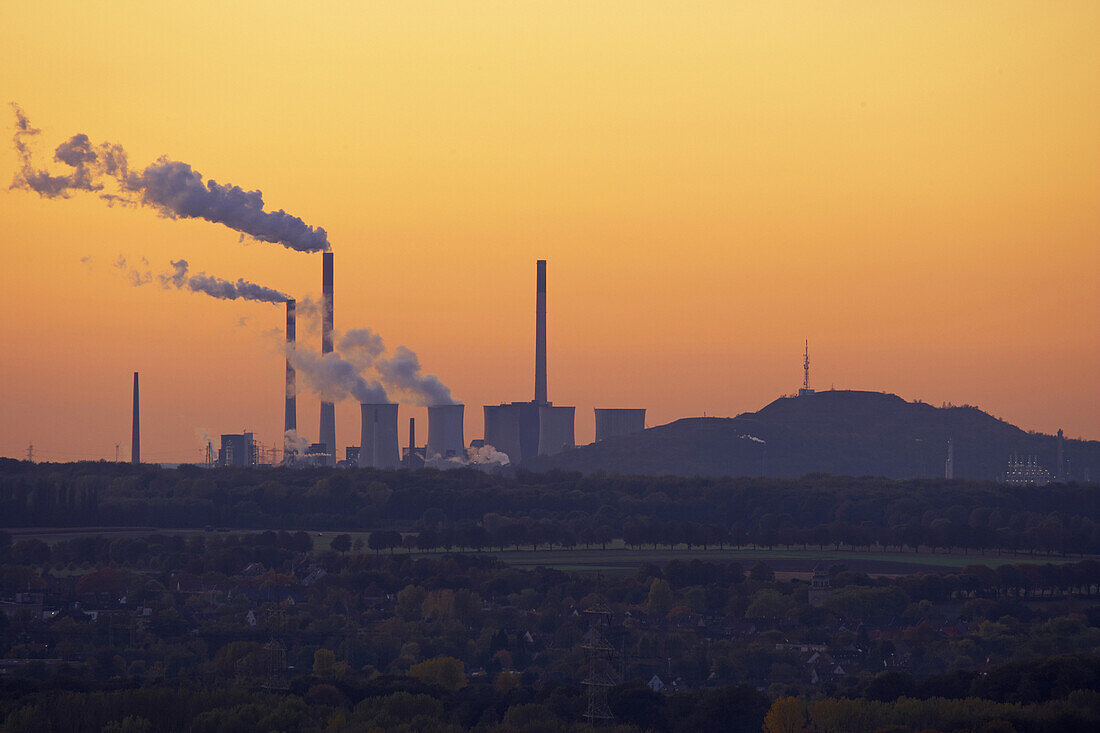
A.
x: 618, y: 559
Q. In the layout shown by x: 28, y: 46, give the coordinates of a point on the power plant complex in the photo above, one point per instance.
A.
x: 519, y: 430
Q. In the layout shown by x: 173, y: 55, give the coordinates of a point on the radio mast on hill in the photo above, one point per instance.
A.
x: 806, y: 372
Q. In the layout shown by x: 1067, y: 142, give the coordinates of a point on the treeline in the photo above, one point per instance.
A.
x: 561, y: 508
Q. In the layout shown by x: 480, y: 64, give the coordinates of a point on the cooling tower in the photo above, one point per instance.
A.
x: 540, y: 332
x: 328, y: 412
x: 290, y: 418
x: 445, y: 431
x: 379, y: 448
x: 135, y: 438
x: 555, y: 429
x: 618, y: 421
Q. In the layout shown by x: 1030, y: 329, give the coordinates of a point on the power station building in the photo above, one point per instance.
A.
x: 526, y: 429
x: 445, y: 437
x: 618, y: 421
x: 378, y: 447
x: 237, y: 451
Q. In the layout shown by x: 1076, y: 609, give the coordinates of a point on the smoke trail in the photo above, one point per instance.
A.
x: 362, y: 347
x: 215, y: 287
x: 335, y: 378
x: 400, y: 371
x: 171, y: 187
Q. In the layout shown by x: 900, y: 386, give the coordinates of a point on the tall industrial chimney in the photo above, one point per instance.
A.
x: 328, y: 412
x: 135, y: 439
x: 290, y: 419
x: 412, y: 435
x: 540, y: 334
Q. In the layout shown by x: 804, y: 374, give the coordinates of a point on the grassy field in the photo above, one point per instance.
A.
x: 618, y: 559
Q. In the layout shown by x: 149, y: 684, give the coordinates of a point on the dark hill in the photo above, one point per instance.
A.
x: 838, y: 432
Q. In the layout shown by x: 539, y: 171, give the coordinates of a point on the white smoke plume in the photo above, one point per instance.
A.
x: 401, y: 371
x: 294, y: 443
x: 179, y: 278
x: 170, y: 187
x: 487, y: 455
x: 334, y: 378
x: 485, y: 458
x: 215, y: 287
x: 398, y: 371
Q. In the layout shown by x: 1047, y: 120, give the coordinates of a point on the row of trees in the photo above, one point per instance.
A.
x: 817, y: 509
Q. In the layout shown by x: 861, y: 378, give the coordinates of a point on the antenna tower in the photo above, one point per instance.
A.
x: 806, y: 367
x: 30, y: 453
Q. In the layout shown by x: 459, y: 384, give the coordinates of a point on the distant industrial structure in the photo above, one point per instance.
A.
x: 805, y: 389
x: 526, y: 429
x: 378, y: 447
x: 237, y: 451
x: 290, y: 418
x: 1026, y: 472
x: 618, y: 421
x: 412, y: 457
x: 949, y: 464
x: 328, y: 410
x: 520, y: 430
x: 445, y: 438
x: 135, y: 437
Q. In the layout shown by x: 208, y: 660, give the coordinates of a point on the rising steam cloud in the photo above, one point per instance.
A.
x: 335, y: 378
x: 399, y: 371
x: 171, y: 187
x: 361, y: 368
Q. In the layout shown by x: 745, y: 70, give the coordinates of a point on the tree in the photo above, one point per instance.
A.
x: 786, y: 715
x: 762, y: 571
x: 410, y: 601
x: 341, y: 543
x: 768, y: 603
x: 324, y: 664
x: 446, y: 672
x: 659, y: 601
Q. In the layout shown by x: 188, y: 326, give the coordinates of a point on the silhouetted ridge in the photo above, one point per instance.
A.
x: 839, y: 432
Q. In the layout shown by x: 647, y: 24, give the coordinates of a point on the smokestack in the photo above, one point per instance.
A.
x: 412, y: 435
x: 328, y: 412
x: 290, y: 419
x: 135, y: 439
x: 540, y: 333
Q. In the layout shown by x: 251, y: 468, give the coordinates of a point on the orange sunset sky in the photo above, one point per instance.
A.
x: 912, y: 186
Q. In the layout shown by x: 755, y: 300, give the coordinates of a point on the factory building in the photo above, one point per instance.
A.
x: 513, y: 428
x: 526, y: 429
x: 237, y: 451
x: 618, y: 421
x: 445, y: 437
x: 379, y: 447
x: 555, y: 429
